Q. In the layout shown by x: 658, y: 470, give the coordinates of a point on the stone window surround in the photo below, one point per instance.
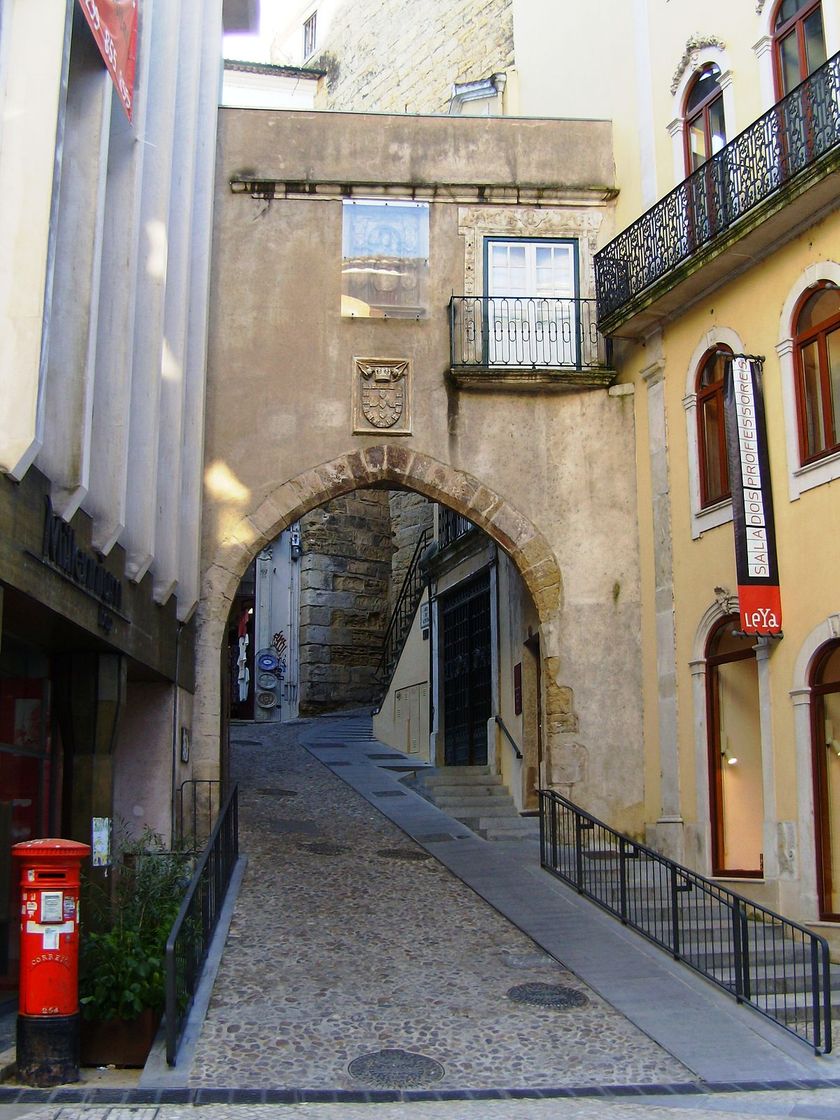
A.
x: 580, y: 223
x: 826, y: 631
x: 726, y: 604
x: 721, y: 512
x: 700, y: 59
x: 763, y: 48
x: 801, y: 478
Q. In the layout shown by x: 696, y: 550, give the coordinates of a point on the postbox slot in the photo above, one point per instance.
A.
x: 39, y: 875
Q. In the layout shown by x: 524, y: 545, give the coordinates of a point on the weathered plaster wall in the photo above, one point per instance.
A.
x: 545, y: 474
x: 391, y: 57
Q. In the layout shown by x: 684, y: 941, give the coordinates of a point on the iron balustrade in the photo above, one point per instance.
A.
x: 190, y: 937
x: 451, y: 526
x: 532, y: 332
x: 403, y: 613
x: 773, y: 150
x: 776, y: 966
x: 196, y: 809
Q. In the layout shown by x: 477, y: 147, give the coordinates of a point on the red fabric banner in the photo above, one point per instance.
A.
x: 114, y: 27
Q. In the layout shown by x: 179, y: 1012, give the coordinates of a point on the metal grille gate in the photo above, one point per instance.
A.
x: 466, y: 672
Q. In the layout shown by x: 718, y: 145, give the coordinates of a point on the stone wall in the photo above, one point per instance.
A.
x: 345, y: 576
x: 388, y: 56
x: 410, y: 515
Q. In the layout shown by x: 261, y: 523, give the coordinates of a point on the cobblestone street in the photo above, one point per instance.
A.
x: 348, y: 940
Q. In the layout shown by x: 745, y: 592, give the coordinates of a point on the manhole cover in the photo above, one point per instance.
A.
x: 409, y: 855
x: 548, y: 995
x: 396, y: 1069
x: 272, y: 792
x: 324, y: 848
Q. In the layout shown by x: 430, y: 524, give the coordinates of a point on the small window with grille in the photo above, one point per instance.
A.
x: 309, y: 33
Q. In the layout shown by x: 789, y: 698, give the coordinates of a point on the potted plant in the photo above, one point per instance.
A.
x: 122, y: 979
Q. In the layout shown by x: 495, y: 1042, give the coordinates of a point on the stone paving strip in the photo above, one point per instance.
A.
x: 356, y: 961
x: 824, y: 1105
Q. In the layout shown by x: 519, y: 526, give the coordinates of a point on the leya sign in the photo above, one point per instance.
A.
x: 114, y: 27
x: 752, y: 499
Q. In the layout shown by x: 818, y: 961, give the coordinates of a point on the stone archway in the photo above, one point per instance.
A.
x: 398, y: 468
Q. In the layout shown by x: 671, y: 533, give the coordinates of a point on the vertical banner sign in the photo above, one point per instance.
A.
x: 114, y: 27
x: 752, y: 500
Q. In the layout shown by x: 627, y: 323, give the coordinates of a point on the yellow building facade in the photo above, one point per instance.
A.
x: 738, y: 254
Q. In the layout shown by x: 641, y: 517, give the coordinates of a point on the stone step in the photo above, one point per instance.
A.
x: 464, y: 789
x: 461, y: 775
x: 470, y: 798
x: 502, y: 811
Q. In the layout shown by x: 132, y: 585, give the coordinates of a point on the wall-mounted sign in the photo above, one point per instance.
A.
x: 60, y: 551
x: 100, y: 841
x: 759, y: 598
x: 114, y: 27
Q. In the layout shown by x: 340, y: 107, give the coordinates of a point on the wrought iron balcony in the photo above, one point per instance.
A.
x: 796, y: 143
x: 521, y: 340
x: 451, y: 526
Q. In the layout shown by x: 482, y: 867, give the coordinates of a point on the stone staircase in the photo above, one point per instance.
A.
x: 478, y: 800
x: 777, y: 965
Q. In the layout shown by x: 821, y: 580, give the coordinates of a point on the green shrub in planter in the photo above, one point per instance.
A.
x: 125, y: 928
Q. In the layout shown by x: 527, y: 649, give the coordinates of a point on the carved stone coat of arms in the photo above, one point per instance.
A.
x: 382, y: 395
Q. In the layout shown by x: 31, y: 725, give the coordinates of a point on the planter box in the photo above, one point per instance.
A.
x: 118, y: 1042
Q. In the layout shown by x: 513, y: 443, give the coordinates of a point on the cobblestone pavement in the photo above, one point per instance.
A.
x: 822, y: 1105
x: 348, y: 940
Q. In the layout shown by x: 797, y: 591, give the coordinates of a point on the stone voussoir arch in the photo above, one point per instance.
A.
x: 398, y: 468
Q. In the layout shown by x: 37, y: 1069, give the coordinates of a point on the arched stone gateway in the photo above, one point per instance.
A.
x: 396, y: 468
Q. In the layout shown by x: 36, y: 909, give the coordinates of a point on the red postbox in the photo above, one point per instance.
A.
x: 48, y: 1011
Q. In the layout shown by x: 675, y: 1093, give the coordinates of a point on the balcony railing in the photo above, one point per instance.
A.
x: 451, y: 526
x: 784, y: 142
x: 525, y: 332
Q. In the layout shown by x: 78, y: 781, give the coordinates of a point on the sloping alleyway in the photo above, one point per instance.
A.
x: 350, y: 942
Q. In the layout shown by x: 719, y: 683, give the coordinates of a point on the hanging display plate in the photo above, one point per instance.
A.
x: 266, y: 699
x: 267, y: 680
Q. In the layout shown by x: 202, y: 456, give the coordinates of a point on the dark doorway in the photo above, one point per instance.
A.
x: 467, y: 664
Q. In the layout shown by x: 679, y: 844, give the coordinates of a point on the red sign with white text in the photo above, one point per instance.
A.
x: 114, y: 27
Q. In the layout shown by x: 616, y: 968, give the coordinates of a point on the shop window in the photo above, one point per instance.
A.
x: 385, y: 259
x: 734, y: 743
x: 825, y: 715
x: 798, y: 43
x: 705, y: 126
x: 711, y: 432
x: 817, y: 362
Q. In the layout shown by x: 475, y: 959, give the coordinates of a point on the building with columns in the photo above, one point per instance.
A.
x: 105, y: 239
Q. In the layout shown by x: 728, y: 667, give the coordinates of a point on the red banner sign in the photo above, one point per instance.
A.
x: 114, y: 27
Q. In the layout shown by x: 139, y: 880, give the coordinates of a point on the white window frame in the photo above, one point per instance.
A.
x: 709, y: 517
x: 801, y: 477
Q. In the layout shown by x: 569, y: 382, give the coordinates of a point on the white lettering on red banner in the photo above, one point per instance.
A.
x: 114, y: 27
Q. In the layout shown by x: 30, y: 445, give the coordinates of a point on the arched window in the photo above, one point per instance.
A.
x: 825, y: 715
x: 798, y: 42
x: 711, y: 434
x: 734, y: 741
x: 705, y: 127
x: 817, y: 359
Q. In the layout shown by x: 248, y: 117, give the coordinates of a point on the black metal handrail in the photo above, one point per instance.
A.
x: 190, y: 937
x: 507, y: 734
x: 778, y: 967
x: 528, y: 332
x: 196, y: 807
x: 786, y: 140
x: 403, y: 613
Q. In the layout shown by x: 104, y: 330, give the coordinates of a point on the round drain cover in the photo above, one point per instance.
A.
x: 407, y: 854
x: 548, y: 995
x: 396, y: 1069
